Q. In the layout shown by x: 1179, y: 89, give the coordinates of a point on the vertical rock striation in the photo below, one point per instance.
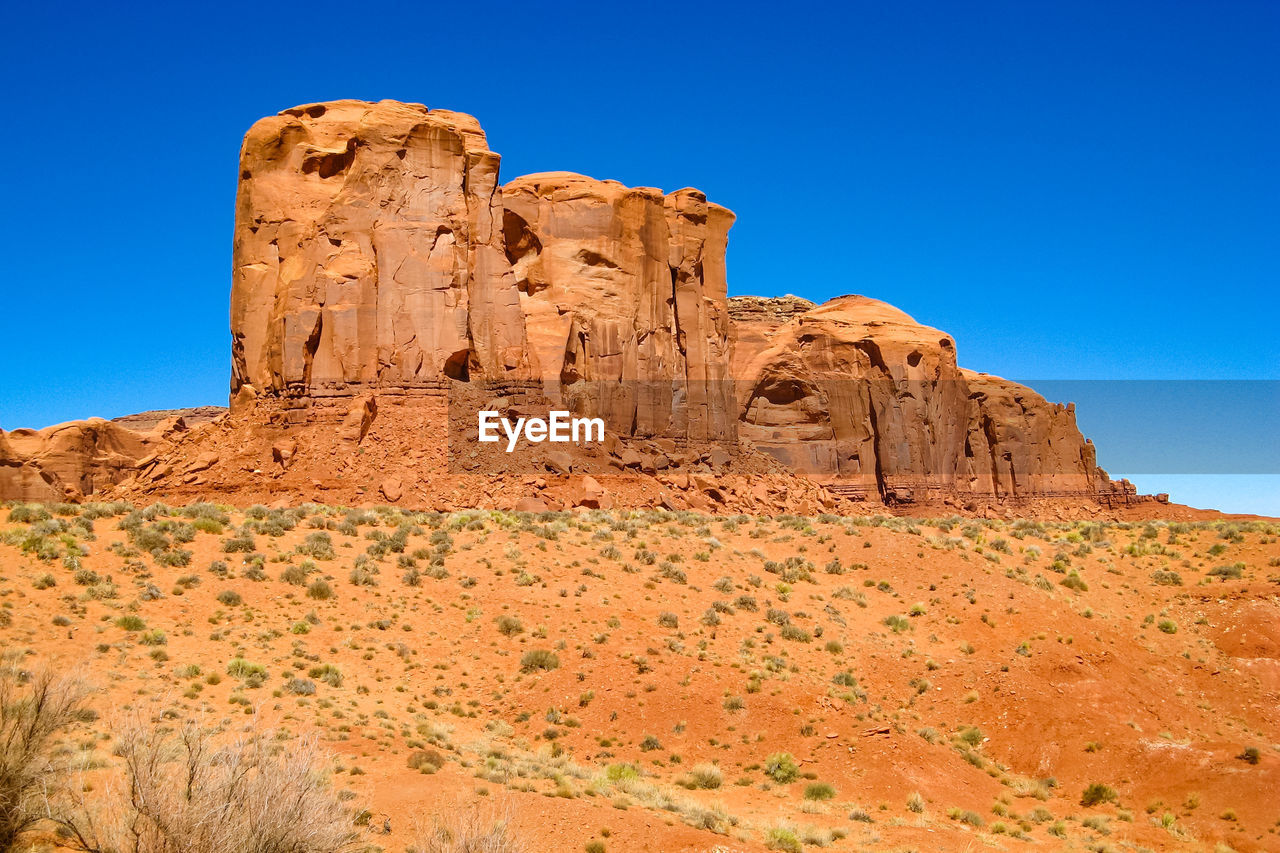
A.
x: 624, y: 298
x: 856, y: 391
x: 369, y: 253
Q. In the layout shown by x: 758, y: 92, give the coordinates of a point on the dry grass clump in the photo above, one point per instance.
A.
x: 184, y: 793
x: 467, y: 829
x: 34, y: 709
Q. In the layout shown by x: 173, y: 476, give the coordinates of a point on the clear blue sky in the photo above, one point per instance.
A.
x: 1075, y: 190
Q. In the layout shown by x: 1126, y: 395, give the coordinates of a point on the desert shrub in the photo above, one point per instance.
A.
x: 425, y: 760
x: 328, y: 673
x: 185, y: 793
x: 668, y: 620
x: 241, y: 543
x: 153, y: 638
x: 1235, y: 570
x: 706, y: 777
x: 781, y: 768
x: 131, y: 623
x: 897, y: 624
x: 794, y: 632
x: 509, y: 626
x: 241, y: 668
x: 819, y: 791
x: 621, y: 772
x: 28, y: 514
x: 1096, y: 794
x: 361, y: 577
x: 1168, y: 626
x: 34, y: 710
x: 230, y: 598
x: 466, y: 829
x: 300, y: 686
x: 1250, y: 755
x: 1073, y: 581
x: 320, y: 590
x: 296, y: 575
x: 783, y: 838
x: 539, y: 659
x: 318, y: 545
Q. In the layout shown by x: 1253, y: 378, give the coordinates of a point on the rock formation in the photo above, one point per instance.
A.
x: 857, y: 392
x: 369, y: 253
x: 623, y: 291
x: 68, y: 461
x: 378, y: 263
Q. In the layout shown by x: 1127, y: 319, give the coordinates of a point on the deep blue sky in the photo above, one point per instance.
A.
x: 1074, y: 190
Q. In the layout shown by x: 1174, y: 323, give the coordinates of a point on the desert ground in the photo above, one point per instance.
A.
x: 668, y: 681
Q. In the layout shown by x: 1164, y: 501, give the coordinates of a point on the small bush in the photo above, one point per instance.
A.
x: 425, y: 760
x: 295, y: 575
x: 784, y: 839
x: 320, y: 590
x: 819, y: 791
x: 1073, y: 581
x: 781, y: 768
x: 706, y: 777
x: 535, y: 660
x: 241, y: 668
x: 1096, y: 794
x: 230, y: 598
x: 328, y: 673
x: 897, y: 624
x: 1236, y: 570
x: 300, y: 686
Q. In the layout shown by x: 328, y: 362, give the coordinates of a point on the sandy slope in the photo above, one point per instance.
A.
x: 868, y: 649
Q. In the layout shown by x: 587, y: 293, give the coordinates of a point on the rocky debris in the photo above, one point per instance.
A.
x: 559, y: 462
x: 356, y: 423
x: 283, y: 451
x: 392, y: 489
x: 587, y: 492
x: 531, y: 504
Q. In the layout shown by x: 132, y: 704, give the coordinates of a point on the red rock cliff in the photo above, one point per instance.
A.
x: 377, y: 254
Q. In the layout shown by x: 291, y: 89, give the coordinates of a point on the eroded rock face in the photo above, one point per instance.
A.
x: 378, y: 260
x: 857, y: 392
x: 624, y: 297
x: 369, y: 253
x: 68, y: 461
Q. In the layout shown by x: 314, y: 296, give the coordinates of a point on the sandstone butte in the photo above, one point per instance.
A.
x: 381, y: 272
